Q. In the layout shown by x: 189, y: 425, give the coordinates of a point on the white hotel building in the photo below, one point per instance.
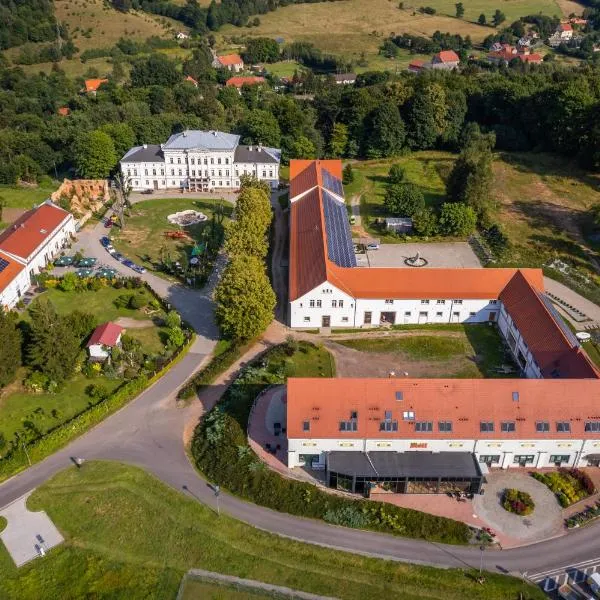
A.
x: 428, y: 435
x: 199, y: 161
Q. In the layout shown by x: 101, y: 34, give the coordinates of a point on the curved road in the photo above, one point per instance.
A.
x: 148, y: 433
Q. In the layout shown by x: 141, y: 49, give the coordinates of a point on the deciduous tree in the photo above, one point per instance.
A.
x: 10, y: 348
x: 404, y: 199
x: 457, y: 219
x: 94, y: 155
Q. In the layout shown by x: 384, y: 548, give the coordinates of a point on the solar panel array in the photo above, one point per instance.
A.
x: 340, y: 248
x: 333, y: 184
x: 559, y: 321
x: 3, y: 264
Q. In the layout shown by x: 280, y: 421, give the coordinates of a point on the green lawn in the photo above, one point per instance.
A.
x: 143, y: 238
x: 2, y: 523
x: 417, y: 347
x: 26, y: 196
x: 283, y: 68
x: 308, y: 361
x: 129, y: 536
x: 202, y: 590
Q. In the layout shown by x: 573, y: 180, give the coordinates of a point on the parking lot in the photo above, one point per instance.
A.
x: 438, y: 255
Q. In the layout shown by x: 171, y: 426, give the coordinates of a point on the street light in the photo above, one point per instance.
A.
x: 217, y: 494
x: 481, y: 577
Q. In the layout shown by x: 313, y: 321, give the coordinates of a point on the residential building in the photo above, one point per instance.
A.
x: 199, y: 160
x: 437, y: 425
x: 102, y: 341
x: 565, y: 31
x: 345, y: 78
x: 182, y: 35
x: 240, y: 82
x: 191, y: 80
x: 231, y: 62
x: 28, y: 245
x: 92, y: 85
x: 446, y: 60
x: 502, y: 54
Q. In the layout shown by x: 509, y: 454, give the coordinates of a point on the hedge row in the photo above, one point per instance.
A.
x: 64, y: 433
x: 221, y: 452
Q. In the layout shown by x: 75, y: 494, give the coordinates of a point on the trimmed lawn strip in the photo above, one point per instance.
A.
x: 127, y: 535
x: 17, y: 196
x: 62, y: 434
x: 418, y: 347
x: 220, y: 450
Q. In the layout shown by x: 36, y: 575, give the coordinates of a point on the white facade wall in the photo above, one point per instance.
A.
x: 146, y: 175
x: 517, y: 345
x: 538, y: 452
x: 268, y: 172
x: 11, y: 294
x: 355, y: 312
x: 51, y: 247
x: 312, y: 309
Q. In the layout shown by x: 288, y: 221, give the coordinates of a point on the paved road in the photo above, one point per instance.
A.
x: 148, y: 433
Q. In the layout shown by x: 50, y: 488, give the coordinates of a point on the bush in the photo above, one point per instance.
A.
x: 518, y: 502
x: 97, y: 392
x: 221, y: 452
x: 36, y: 382
x: 123, y: 300
x: 569, y: 485
x: 137, y: 301
x: 172, y: 319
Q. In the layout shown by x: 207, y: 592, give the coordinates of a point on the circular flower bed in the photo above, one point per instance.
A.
x: 518, y: 502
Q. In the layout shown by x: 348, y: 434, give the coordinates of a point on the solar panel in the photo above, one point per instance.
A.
x: 340, y: 248
x: 559, y: 321
x: 333, y: 184
x: 3, y: 264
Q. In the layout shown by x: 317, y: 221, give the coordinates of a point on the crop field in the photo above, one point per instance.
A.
x: 352, y: 27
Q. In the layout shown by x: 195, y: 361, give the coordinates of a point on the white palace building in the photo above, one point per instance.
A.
x: 427, y: 435
x: 199, y: 161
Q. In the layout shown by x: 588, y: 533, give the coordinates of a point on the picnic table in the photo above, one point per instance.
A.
x: 87, y: 262
x: 84, y: 272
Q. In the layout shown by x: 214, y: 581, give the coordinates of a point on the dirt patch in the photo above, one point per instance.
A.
x: 10, y: 215
x: 135, y: 237
x: 129, y: 323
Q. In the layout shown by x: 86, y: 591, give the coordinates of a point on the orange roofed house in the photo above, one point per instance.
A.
x: 28, y: 245
x: 536, y: 421
x: 239, y: 82
x: 93, y: 85
x: 231, y: 62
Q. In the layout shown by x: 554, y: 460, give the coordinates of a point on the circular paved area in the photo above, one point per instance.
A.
x: 544, y: 522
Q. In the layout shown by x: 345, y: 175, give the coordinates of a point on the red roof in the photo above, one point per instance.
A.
x: 191, y: 80
x: 238, y: 82
x: 106, y: 334
x: 416, y: 65
x: 92, y: 85
x: 64, y: 111
x: 31, y: 230
x: 448, y: 56
x: 531, y: 58
x: 10, y: 269
x: 230, y: 60
x: 465, y: 402
x: 556, y: 351
x: 565, y: 27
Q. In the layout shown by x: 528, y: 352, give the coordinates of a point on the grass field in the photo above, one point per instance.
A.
x: 143, y: 237
x: 350, y: 28
x: 309, y: 361
x: 202, y: 590
x: 129, y: 536
x: 21, y: 409
x: 461, y: 351
x: 26, y: 196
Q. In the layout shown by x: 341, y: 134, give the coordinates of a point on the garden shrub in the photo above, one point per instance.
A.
x: 569, y: 485
x: 137, y: 301
x: 221, y: 452
x: 518, y: 502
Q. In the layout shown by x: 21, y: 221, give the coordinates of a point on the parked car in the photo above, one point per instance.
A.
x: 138, y: 269
x: 110, y: 249
x: 373, y: 246
x: 105, y: 241
x: 108, y: 223
x: 148, y: 191
x: 118, y: 256
x: 128, y: 263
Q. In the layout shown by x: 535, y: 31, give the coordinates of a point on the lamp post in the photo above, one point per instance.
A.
x: 217, y: 494
x: 481, y: 577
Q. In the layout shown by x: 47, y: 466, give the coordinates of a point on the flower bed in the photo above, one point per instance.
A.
x: 518, y: 502
x: 584, y: 517
x: 569, y: 485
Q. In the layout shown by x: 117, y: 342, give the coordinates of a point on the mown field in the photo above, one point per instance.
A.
x: 129, y: 536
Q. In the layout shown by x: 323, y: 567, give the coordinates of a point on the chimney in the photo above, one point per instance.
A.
x: 145, y: 146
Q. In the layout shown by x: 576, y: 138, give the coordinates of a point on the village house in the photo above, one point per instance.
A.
x: 565, y: 32
x: 446, y: 60
x: 231, y: 62
x: 503, y: 54
x: 199, y: 161
x: 182, y: 35
x: 104, y: 338
x: 93, y: 85
x: 345, y: 78
x: 239, y: 82
x: 28, y: 245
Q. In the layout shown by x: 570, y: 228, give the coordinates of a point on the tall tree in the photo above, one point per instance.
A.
x: 338, y: 141
x: 156, y: 69
x: 122, y: 136
x: 482, y: 20
x: 94, y: 155
x: 457, y: 219
x: 244, y: 297
x: 260, y: 127
x: 255, y: 203
x: 53, y: 345
x: 10, y: 348
x: 404, y: 199
x: 460, y: 10
x: 427, y: 112
x: 498, y: 18
x: 385, y: 133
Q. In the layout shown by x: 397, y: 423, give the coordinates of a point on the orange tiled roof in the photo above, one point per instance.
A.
x: 31, y: 230
x: 9, y: 272
x: 448, y: 56
x: 230, y: 59
x: 556, y: 352
x: 92, y: 85
x: 238, y: 82
x: 465, y: 402
x: 64, y: 111
x: 106, y: 334
x: 297, y: 165
x: 191, y: 80
x: 531, y: 58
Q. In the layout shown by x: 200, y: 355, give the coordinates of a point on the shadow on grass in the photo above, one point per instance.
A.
x: 490, y: 351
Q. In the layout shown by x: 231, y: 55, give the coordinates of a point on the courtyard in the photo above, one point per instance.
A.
x: 442, y: 255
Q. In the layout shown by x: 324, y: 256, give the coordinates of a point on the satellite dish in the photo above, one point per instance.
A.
x: 583, y: 336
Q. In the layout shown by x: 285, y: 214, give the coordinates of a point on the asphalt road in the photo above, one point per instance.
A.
x: 148, y: 432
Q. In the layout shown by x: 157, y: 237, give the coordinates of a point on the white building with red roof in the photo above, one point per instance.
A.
x: 29, y: 244
x: 231, y: 62
x: 104, y: 338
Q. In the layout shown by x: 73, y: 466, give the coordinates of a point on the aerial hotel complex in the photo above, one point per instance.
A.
x: 428, y: 435
x: 199, y: 161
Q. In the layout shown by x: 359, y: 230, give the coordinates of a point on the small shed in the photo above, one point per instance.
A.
x: 399, y: 224
x: 105, y: 337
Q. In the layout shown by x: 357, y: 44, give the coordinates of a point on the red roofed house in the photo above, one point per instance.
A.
x: 64, y: 111
x: 104, y: 338
x: 503, y: 54
x: 239, y: 82
x: 92, y: 85
x: 14, y: 281
x: 565, y: 31
x: 34, y: 239
x: 231, y: 62
x: 446, y: 60
x: 191, y: 80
